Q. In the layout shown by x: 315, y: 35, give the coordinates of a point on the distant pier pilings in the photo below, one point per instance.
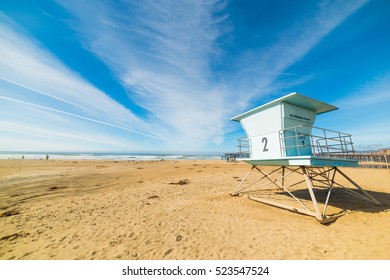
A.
x: 369, y: 160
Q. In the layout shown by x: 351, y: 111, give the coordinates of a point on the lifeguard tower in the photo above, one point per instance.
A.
x: 281, y: 134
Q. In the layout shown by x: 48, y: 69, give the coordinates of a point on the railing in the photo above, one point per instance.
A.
x: 244, y: 148
x: 306, y: 140
x: 309, y: 140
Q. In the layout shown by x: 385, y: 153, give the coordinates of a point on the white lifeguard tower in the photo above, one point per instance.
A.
x: 281, y: 133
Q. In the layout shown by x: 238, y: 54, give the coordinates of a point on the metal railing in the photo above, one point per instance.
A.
x: 244, y: 147
x: 307, y: 140
x: 310, y: 140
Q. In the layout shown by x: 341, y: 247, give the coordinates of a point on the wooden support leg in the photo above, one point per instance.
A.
x: 326, y: 179
x: 311, y: 192
x: 329, y: 191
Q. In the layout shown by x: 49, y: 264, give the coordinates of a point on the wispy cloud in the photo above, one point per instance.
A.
x: 262, y: 69
x: 30, y: 76
x: 163, y: 52
x: 26, y: 127
x: 45, y: 108
x: 365, y: 110
x: 372, y: 93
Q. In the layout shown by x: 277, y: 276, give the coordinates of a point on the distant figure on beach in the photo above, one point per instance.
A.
x: 47, y: 156
x: 22, y: 156
x: 230, y: 158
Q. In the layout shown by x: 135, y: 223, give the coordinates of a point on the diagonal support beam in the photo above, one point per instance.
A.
x: 283, y: 206
x: 311, y: 192
x: 360, y: 188
x: 331, y: 183
x: 281, y: 187
x: 237, y: 190
x: 312, y: 176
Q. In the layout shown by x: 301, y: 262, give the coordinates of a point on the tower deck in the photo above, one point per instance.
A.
x: 302, y: 161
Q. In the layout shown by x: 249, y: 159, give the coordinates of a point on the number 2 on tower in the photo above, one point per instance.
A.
x: 265, y: 141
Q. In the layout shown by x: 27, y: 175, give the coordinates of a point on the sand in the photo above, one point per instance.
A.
x: 59, y: 209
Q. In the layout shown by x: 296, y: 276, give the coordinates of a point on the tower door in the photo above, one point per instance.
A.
x: 297, y: 141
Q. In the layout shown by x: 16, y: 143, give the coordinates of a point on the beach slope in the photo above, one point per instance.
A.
x: 61, y: 209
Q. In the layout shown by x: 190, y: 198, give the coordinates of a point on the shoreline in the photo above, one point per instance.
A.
x: 118, y: 156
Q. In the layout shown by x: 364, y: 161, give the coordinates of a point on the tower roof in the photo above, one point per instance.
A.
x: 294, y: 98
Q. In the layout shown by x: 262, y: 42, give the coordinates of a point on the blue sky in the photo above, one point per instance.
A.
x: 151, y: 75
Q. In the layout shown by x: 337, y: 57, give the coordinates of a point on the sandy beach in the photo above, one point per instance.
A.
x: 63, y: 209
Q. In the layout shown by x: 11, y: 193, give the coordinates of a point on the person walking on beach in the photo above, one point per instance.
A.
x: 47, y: 156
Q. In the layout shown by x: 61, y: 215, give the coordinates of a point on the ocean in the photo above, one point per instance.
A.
x: 111, y: 156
